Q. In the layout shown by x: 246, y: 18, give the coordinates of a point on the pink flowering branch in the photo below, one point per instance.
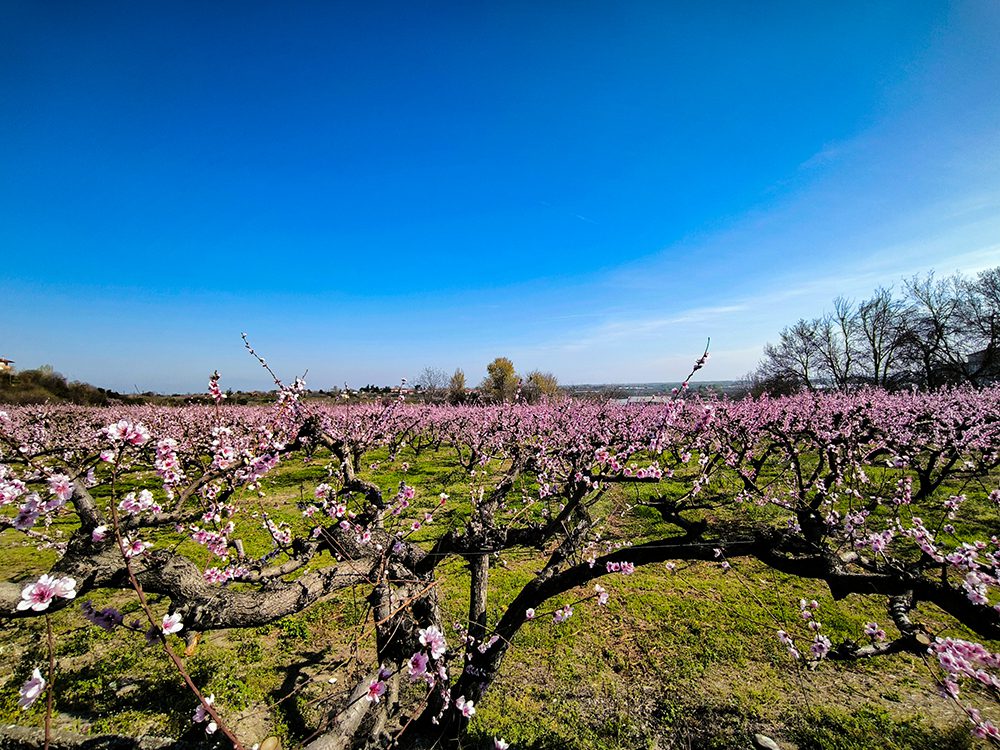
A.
x: 168, y: 624
x: 699, y: 363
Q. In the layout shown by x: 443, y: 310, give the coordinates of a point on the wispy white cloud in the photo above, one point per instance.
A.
x: 830, y: 153
x: 955, y: 234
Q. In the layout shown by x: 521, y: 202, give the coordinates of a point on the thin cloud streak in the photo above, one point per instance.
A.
x: 769, y: 311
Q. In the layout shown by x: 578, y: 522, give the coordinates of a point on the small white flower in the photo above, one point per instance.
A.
x: 171, y: 624
x: 32, y: 689
x: 467, y: 708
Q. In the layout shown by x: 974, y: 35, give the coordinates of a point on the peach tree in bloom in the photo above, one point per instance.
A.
x: 888, y: 495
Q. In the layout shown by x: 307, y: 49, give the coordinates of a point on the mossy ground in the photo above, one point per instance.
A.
x: 684, y: 659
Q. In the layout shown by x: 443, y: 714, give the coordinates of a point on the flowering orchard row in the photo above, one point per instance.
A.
x: 889, y: 495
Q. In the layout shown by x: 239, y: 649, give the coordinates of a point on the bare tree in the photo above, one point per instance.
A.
x: 433, y: 384
x: 981, y: 326
x: 837, y: 343
x: 940, y: 332
x: 881, y: 327
x: 932, y: 315
x: 796, y: 357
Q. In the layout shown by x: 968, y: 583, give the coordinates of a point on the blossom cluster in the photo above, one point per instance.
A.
x: 127, y: 433
x: 39, y: 595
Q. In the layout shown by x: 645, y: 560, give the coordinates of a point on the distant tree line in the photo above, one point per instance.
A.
x: 933, y: 332
x: 44, y: 384
x: 377, y: 390
x: 502, y: 384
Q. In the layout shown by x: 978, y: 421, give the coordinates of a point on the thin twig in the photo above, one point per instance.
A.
x: 52, y: 677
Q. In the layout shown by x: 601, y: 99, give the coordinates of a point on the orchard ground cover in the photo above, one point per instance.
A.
x: 684, y: 652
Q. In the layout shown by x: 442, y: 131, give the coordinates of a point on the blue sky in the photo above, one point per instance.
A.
x: 369, y: 189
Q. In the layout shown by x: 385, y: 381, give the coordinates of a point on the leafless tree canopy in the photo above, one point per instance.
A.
x: 934, y: 332
x: 433, y: 384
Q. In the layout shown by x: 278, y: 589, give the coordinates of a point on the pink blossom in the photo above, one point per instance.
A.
x: 821, y: 646
x: 487, y: 645
x: 61, y: 486
x: 376, y: 690
x: 224, y: 457
x: 99, y: 534
x: 213, y: 388
x: 171, y: 624
x: 38, y: 595
x: 124, y: 431
x: 602, y: 595
x: 467, y: 708
x: 138, y: 435
x: 201, y: 714
x: 873, y: 631
x: 54, y: 504
x: 500, y: 744
x: 117, y: 430
x: 32, y: 689
x: 26, y: 517
x: 166, y: 463
x: 563, y: 614
x: 529, y: 613
x: 788, y: 643
x: 986, y: 729
x: 10, y: 489
x: 949, y: 688
x: 131, y: 548
x: 218, y: 575
x: 418, y: 666
x: 434, y: 640
x: 133, y: 504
